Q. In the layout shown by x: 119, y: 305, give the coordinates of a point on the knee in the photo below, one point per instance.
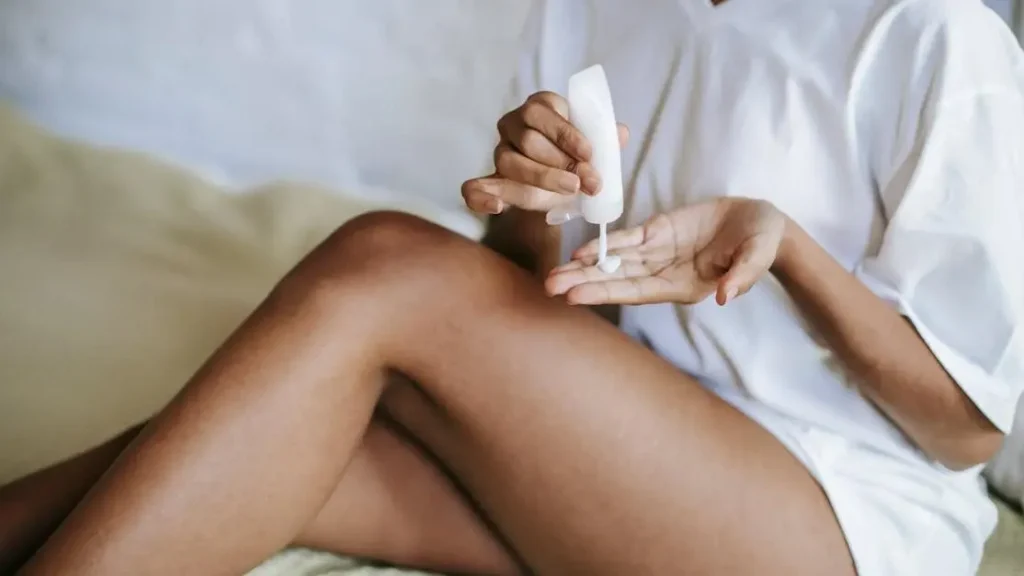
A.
x: 369, y: 255
x: 383, y: 237
x: 376, y: 243
x: 393, y: 259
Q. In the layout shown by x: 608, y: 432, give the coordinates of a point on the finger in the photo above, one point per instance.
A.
x: 507, y: 192
x: 750, y: 262
x: 629, y: 238
x: 548, y: 113
x: 478, y: 198
x: 514, y: 166
x: 532, y: 143
x: 624, y: 256
x: 568, y: 276
x: 590, y: 178
x: 537, y: 147
x: 642, y: 290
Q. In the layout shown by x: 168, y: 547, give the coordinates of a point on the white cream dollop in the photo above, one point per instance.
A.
x: 610, y: 264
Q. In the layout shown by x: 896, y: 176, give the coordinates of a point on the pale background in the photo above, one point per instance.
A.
x: 399, y: 95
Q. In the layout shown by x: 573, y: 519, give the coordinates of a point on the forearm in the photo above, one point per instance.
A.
x: 892, y: 365
x: 526, y: 239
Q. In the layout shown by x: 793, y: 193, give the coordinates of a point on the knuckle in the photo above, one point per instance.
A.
x: 532, y: 113
x: 545, y: 97
x: 534, y: 198
x: 505, y: 121
x: 543, y: 177
x: 470, y: 188
x: 532, y: 142
x: 504, y: 161
x: 563, y: 136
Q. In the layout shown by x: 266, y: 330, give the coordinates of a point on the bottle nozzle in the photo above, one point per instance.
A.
x: 562, y: 214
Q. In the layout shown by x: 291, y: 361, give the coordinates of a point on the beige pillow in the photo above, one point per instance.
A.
x: 118, y: 277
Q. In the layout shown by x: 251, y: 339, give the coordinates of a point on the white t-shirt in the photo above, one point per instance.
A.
x: 892, y: 131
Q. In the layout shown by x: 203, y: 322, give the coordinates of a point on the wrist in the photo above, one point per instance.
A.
x: 790, y: 247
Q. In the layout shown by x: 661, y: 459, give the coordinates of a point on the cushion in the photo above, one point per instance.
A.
x: 1004, y: 552
x: 121, y: 274
x: 1006, y: 471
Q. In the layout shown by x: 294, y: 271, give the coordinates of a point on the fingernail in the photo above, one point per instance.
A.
x: 495, y: 206
x: 590, y: 179
x: 569, y: 183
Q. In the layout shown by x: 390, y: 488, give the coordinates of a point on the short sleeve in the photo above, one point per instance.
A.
x: 952, y: 255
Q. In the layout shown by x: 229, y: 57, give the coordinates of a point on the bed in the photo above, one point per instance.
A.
x: 100, y: 356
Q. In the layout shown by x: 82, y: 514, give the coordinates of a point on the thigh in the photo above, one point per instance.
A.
x: 591, y: 454
x: 395, y: 504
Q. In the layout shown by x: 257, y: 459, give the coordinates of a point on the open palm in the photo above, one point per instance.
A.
x: 722, y: 246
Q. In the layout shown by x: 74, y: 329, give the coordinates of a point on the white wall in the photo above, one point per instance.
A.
x: 395, y: 93
x: 399, y: 94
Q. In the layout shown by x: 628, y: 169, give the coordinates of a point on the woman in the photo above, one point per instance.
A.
x: 821, y: 229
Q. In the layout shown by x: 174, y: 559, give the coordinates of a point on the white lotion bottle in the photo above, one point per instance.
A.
x: 591, y: 112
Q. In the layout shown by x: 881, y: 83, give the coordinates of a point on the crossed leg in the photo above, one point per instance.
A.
x: 590, y: 454
x: 393, y: 504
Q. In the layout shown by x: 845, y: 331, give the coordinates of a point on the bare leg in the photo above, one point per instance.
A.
x: 393, y: 504
x: 32, y: 507
x: 590, y: 454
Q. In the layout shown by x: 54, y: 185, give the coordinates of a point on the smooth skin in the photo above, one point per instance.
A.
x: 394, y: 502
x: 587, y: 453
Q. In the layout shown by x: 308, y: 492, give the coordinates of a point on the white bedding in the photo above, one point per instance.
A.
x: 301, y: 562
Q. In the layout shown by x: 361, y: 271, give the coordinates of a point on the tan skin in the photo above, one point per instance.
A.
x: 583, y: 450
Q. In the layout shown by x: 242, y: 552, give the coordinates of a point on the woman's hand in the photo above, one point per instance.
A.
x: 722, y: 246
x: 541, y: 159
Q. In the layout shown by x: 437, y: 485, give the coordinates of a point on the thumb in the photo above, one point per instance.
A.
x: 623, y: 135
x: 749, y: 263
